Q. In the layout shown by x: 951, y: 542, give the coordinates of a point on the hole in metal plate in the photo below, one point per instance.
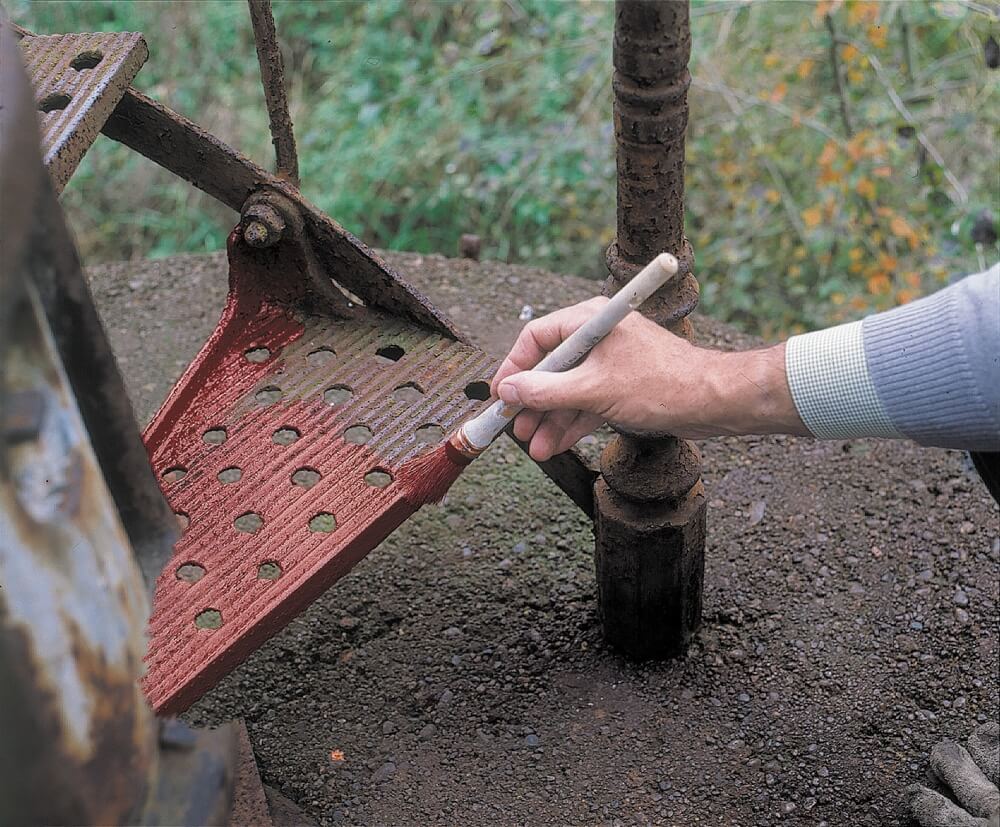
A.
x: 378, y: 478
x: 174, y: 473
x: 257, y: 355
x: 324, y: 522
x: 337, y: 395
x: 54, y: 102
x: 268, y: 395
x: 248, y: 523
x: 268, y: 571
x: 190, y: 572
x: 87, y: 59
x: 231, y: 474
x: 390, y: 353
x: 410, y: 392
x: 208, y: 619
x: 305, y: 477
x: 215, y: 436
x: 285, y: 436
x: 479, y: 391
x: 358, y: 434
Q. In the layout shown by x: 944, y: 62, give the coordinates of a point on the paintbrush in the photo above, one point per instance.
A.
x: 427, y: 478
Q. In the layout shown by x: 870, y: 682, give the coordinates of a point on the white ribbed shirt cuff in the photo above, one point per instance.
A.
x: 832, y: 387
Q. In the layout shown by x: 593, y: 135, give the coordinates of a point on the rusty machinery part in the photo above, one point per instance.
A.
x: 278, y: 449
x: 272, y: 225
x: 652, y: 46
x: 183, y: 148
x: 80, y: 744
x: 43, y: 247
x: 272, y: 76
x: 78, y: 80
x: 650, y: 503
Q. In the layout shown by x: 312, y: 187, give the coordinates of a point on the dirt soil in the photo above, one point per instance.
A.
x: 851, y: 620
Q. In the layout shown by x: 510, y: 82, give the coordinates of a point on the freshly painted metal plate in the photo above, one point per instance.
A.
x: 277, y: 450
x: 78, y: 80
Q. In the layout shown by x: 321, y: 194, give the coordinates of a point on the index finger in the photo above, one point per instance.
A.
x: 543, y: 335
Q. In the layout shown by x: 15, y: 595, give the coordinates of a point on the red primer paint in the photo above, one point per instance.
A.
x: 218, y: 391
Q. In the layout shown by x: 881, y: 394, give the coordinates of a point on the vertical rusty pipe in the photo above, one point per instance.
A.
x: 650, y: 524
x: 272, y: 76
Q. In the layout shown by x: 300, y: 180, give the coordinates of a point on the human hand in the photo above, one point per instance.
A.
x: 641, y: 378
x: 972, y: 777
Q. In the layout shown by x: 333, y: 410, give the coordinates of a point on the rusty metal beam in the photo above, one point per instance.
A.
x: 272, y: 76
x: 650, y: 504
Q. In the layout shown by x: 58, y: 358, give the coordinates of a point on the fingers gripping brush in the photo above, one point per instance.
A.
x: 427, y: 478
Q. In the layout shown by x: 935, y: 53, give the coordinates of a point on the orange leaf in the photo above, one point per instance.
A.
x: 855, y: 253
x: 905, y: 296
x: 805, y: 68
x: 878, y: 285
x: 882, y: 172
x: 829, y: 153
x: 779, y: 92
x: 900, y: 228
x: 849, y: 52
x: 865, y: 188
x: 912, y: 279
x: 771, y: 59
x: 812, y: 216
x: 772, y: 196
x: 859, y: 303
x: 862, y: 12
x: 876, y: 35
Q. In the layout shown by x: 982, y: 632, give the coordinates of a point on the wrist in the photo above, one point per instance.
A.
x: 751, y: 395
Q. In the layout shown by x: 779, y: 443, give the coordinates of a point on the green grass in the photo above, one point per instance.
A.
x: 419, y: 121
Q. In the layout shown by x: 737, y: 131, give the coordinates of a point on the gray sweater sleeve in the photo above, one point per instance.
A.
x: 928, y: 371
x: 935, y: 364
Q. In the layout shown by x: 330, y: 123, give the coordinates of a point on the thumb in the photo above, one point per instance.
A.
x: 543, y: 391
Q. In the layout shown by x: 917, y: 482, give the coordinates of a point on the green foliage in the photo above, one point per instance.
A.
x: 419, y: 121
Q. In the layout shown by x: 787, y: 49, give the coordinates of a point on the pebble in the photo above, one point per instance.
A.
x: 531, y: 740
x: 384, y: 773
x: 961, y: 616
x: 388, y: 728
x: 961, y: 598
x: 427, y: 732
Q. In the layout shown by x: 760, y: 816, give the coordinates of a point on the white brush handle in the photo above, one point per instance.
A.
x: 486, y: 427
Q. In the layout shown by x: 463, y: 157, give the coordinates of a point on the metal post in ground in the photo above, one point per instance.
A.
x: 650, y: 503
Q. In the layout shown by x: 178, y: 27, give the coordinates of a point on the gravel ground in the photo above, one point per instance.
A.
x: 851, y: 620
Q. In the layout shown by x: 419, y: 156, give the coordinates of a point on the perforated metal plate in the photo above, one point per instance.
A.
x: 277, y: 448
x: 78, y: 80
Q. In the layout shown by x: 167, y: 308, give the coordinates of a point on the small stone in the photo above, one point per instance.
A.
x: 347, y: 622
x: 446, y: 697
x: 427, y: 732
x: 520, y: 548
x: 961, y: 598
x: 531, y: 740
x: 504, y: 564
x: 916, y: 625
x: 388, y: 728
x: 787, y: 807
x: 452, y: 631
x: 384, y: 773
x: 961, y: 616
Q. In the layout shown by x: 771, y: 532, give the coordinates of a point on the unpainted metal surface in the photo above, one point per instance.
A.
x: 272, y: 76
x: 79, y: 78
x: 272, y: 383
x: 77, y: 741
x: 186, y: 150
x: 649, y: 503
x: 652, y: 45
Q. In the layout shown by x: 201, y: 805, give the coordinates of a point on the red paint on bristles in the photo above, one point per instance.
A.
x: 427, y: 478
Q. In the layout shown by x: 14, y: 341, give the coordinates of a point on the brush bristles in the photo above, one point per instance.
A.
x: 427, y: 478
